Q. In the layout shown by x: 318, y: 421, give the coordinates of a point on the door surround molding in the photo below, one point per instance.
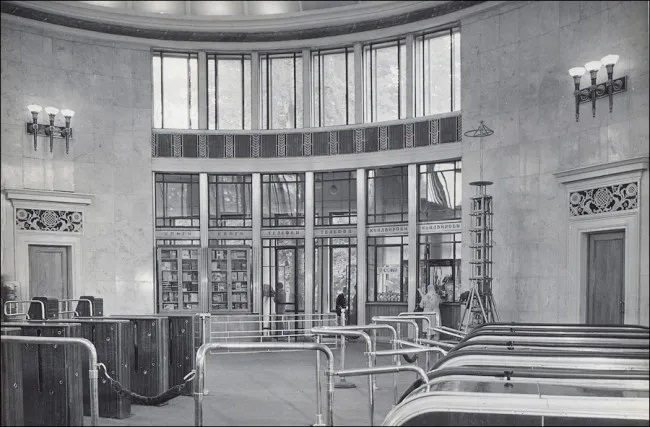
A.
x: 47, y: 200
x: 580, y: 226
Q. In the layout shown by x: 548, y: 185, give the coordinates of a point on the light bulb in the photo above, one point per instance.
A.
x: 51, y: 110
x: 67, y: 113
x: 593, y: 65
x: 33, y: 108
x: 577, y: 71
x: 609, y: 60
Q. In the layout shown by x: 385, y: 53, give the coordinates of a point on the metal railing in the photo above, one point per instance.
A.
x: 92, y: 359
x: 199, y: 385
x: 23, y: 313
x: 74, y: 312
x: 281, y: 327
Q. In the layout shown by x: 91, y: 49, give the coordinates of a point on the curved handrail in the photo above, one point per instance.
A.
x: 92, y: 359
x: 90, y: 304
x: 199, y: 384
x: 26, y: 314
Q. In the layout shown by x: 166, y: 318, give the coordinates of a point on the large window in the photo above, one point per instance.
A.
x: 387, y: 195
x: 440, y: 191
x: 229, y: 91
x: 437, y: 72
x: 333, y: 87
x: 387, y: 269
x: 177, y: 200
x: 230, y: 200
x: 281, y: 83
x: 335, y: 198
x: 384, y: 70
x: 283, y: 200
x: 175, y: 90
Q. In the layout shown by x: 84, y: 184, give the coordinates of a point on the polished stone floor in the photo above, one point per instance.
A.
x: 273, y: 389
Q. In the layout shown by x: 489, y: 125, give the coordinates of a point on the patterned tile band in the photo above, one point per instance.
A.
x: 612, y: 198
x: 211, y: 144
x: 49, y: 220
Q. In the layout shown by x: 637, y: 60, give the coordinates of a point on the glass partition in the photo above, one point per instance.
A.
x: 229, y: 91
x: 230, y: 200
x: 281, y: 86
x: 175, y: 90
x: 283, y: 200
x: 388, y: 269
x: 387, y: 195
x: 440, y: 189
x: 333, y: 87
x: 335, y: 198
x: 177, y: 200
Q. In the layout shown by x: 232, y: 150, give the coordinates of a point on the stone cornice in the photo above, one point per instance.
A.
x: 59, y: 197
x: 602, y: 170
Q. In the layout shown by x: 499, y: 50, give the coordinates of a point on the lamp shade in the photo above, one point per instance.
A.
x: 51, y: 110
x: 577, y: 71
x: 67, y: 113
x: 609, y: 60
x: 33, y: 108
x: 593, y: 65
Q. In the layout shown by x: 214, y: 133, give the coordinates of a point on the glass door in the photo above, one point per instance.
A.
x: 343, y: 274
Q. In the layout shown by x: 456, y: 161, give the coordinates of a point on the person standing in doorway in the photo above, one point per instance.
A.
x: 341, y: 304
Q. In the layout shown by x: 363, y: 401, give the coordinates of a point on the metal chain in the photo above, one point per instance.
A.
x: 159, y: 399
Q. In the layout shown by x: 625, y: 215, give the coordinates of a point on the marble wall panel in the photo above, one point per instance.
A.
x: 537, y: 43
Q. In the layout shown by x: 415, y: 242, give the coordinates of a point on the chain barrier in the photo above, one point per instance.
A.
x: 157, y: 400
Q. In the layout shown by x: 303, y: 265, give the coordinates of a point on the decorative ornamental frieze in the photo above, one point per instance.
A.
x: 203, y: 146
x: 49, y: 220
x: 230, y: 146
x: 408, y: 135
x: 177, y: 145
x: 334, y: 142
x: 359, y: 140
x: 383, y: 138
x: 306, y: 144
x: 282, y: 145
x: 255, y: 145
x: 612, y: 198
x: 433, y: 132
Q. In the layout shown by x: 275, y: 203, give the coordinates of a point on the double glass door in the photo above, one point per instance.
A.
x: 335, y: 271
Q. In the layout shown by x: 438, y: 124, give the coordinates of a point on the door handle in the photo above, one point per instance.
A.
x: 621, y: 307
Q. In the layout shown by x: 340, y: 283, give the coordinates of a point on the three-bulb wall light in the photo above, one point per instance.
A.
x: 595, y: 91
x: 50, y: 130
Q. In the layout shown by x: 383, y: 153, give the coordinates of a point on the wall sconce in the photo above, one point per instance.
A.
x: 595, y: 91
x: 33, y: 128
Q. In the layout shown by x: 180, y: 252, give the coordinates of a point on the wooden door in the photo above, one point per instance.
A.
x: 49, y: 271
x: 606, y: 278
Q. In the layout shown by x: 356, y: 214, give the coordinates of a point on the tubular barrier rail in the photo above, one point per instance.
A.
x: 199, y: 385
x: 24, y: 313
x: 67, y: 310
x: 92, y: 359
x: 282, y: 327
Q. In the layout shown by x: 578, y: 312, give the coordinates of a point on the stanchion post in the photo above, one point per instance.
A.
x: 342, y: 383
x: 374, y: 358
x: 319, y: 406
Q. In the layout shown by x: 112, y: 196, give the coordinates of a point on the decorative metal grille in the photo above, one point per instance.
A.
x: 408, y: 135
x: 177, y: 146
x: 255, y: 145
x: 282, y: 145
x: 612, y: 198
x: 383, y: 138
x: 230, y: 146
x: 334, y: 142
x: 359, y: 140
x: 49, y: 220
x: 306, y: 144
x: 433, y: 132
x: 203, y: 146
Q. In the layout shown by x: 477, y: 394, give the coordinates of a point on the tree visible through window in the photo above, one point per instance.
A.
x: 175, y: 90
x: 281, y: 83
x: 229, y: 91
x: 333, y: 87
